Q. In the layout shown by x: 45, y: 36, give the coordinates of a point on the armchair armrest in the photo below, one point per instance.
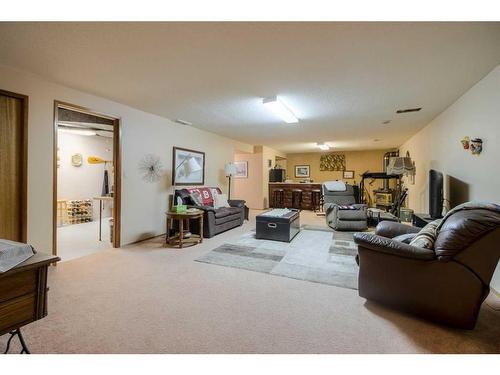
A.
x: 388, y: 246
x: 391, y: 229
x: 236, y: 203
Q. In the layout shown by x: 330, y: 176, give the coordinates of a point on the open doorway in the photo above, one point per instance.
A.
x: 86, y: 205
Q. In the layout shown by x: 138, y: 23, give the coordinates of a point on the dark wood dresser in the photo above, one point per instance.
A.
x: 288, y: 187
x: 23, y: 294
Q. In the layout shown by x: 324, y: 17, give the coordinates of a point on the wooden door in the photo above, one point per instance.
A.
x: 12, y: 166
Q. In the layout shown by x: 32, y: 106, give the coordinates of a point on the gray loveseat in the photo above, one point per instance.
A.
x: 218, y: 220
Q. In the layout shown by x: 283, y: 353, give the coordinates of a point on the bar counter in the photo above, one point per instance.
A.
x: 288, y: 187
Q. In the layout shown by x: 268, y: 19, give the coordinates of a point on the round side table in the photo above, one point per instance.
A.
x: 181, y: 217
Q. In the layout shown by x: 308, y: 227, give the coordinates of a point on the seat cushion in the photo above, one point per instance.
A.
x: 227, y: 211
x: 351, y: 215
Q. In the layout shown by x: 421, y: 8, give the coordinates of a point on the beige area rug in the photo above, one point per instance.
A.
x: 149, y: 299
x: 320, y: 256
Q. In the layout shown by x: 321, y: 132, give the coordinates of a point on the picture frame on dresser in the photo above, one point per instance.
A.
x: 302, y: 171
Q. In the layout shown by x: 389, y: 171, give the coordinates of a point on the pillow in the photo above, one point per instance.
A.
x: 196, y: 197
x: 220, y: 200
x: 427, y: 235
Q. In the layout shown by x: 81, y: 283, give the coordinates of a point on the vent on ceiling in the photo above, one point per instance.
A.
x: 182, y: 122
x: 408, y: 110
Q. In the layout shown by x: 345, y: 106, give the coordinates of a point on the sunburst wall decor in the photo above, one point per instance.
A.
x: 151, y: 168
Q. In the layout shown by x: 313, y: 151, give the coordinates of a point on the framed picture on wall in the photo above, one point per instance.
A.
x: 188, y: 167
x: 302, y: 171
x: 241, y: 169
x: 348, y: 174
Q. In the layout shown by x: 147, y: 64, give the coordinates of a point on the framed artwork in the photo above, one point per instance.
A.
x: 348, y: 174
x: 332, y: 162
x: 302, y: 171
x: 241, y: 169
x: 188, y: 167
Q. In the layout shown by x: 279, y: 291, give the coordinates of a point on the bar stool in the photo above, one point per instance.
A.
x: 316, y: 199
x: 297, y: 198
x: 279, y: 198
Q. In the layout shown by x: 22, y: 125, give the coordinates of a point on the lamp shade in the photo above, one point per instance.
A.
x: 230, y: 169
x: 401, y: 165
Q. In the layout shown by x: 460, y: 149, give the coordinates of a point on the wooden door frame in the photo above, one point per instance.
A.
x: 24, y: 167
x: 117, y: 194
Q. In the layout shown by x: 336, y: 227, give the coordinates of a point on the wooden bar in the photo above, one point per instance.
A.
x: 288, y: 187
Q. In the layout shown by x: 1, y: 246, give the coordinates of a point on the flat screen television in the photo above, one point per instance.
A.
x: 435, y: 194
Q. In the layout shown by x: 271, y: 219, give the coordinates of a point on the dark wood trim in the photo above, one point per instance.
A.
x: 24, y: 193
x: 116, y: 164
x: 174, y: 167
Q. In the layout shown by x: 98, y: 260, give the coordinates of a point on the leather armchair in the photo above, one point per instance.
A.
x: 447, y: 284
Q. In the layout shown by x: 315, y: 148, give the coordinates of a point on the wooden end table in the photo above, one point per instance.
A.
x: 179, y: 240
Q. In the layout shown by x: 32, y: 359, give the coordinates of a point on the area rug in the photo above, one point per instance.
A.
x: 316, y: 254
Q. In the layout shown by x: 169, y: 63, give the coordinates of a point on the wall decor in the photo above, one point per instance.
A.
x: 332, y: 162
x: 465, y: 142
x: 476, y: 146
x: 188, y: 167
x: 348, y: 174
x: 241, y: 169
x: 302, y: 171
x: 151, y: 168
x: 76, y: 160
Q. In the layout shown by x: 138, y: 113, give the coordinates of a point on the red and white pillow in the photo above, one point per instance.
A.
x: 203, y: 196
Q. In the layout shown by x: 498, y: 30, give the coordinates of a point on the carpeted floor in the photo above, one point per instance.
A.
x: 314, y: 255
x: 148, y: 299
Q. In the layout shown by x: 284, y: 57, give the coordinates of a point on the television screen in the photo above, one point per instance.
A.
x: 435, y: 194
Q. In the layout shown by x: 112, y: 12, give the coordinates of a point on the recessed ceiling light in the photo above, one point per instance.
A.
x: 322, y: 146
x: 276, y: 106
x: 408, y: 110
x: 386, y: 122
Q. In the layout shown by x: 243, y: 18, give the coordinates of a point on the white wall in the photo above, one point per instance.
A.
x: 143, y: 204
x: 437, y: 146
x: 85, y: 181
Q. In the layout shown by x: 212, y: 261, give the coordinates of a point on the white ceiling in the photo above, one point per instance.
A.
x: 342, y: 80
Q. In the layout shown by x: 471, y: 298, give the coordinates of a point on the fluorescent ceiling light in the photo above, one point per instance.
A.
x: 77, y: 131
x: 323, y: 146
x: 276, y: 106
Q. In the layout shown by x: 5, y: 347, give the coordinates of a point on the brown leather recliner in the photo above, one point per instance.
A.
x: 447, y: 284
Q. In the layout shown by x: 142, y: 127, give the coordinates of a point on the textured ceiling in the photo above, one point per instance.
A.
x: 342, y: 80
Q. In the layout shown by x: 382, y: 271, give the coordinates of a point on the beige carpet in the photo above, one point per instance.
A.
x: 148, y: 299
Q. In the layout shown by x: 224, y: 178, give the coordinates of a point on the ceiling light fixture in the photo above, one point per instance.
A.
x: 276, y: 106
x: 323, y: 146
x: 77, y: 131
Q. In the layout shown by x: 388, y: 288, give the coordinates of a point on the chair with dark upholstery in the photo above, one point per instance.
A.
x: 446, y: 284
x: 343, y: 212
